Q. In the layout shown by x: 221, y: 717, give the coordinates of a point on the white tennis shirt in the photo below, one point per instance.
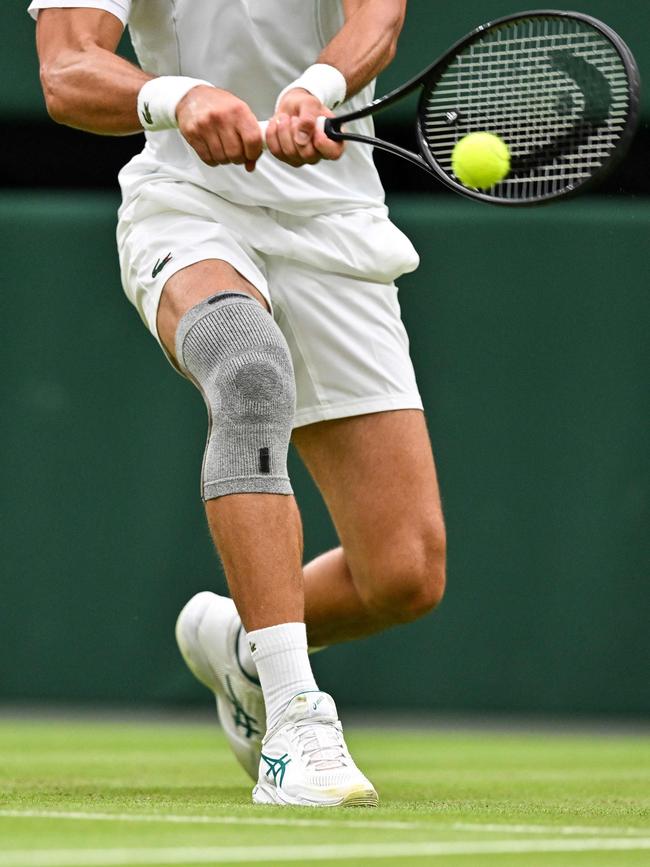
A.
x: 252, y: 48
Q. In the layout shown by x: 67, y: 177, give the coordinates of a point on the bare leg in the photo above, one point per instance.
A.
x: 378, y: 479
x: 258, y: 536
x: 377, y: 476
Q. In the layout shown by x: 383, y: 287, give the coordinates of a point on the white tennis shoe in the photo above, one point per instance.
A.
x: 305, y: 761
x: 207, y: 633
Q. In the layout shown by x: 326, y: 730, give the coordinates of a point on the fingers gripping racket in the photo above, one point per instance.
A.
x: 560, y: 88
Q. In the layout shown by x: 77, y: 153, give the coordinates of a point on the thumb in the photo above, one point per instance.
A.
x: 306, y: 125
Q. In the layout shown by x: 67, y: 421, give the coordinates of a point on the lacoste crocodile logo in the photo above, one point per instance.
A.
x: 160, y: 264
x: 146, y: 114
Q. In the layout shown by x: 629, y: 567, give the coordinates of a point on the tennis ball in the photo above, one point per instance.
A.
x: 480, y: 160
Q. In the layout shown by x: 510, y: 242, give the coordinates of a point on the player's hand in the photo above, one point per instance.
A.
x: 292, y: 135
x: 220, y: 127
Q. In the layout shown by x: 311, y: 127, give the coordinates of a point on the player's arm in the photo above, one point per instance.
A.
x: 87, y: 86
x: 367, y: 42
x: 362, y: 48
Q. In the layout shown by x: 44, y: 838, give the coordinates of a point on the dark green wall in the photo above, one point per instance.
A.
x: 431, y: 27
x: 529, y: 333
x: 22, y: 97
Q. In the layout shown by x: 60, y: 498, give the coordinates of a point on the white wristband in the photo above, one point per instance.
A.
x: 325, y: 82
x: 159, y: 97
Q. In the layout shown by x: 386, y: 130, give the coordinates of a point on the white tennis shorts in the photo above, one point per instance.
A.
x: 329, y: 281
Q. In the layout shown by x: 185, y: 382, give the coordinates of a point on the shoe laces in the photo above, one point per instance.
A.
x: 322, y: 745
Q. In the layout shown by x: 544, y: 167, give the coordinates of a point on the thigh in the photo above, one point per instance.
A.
x: 377, y: 476
x: 177, y: 249
x: 349, y: 346
x: 192, y: 285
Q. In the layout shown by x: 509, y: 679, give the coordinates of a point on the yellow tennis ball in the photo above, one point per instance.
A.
x: 480, y: 160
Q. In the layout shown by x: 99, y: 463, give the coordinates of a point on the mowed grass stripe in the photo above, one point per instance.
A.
x: 452, y: 794
x: 180, y: 819
x: 267, y: 854
x: 295, y: 821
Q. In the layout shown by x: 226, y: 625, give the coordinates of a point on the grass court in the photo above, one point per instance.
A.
x: 89, y: 793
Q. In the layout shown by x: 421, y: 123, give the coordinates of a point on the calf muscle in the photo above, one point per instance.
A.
x: 377, y: 476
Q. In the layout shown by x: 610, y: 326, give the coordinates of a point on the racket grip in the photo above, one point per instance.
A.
x: 264, y: 125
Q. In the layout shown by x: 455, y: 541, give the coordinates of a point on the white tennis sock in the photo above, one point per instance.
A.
x: 246, y: 660
x: 283, y: 667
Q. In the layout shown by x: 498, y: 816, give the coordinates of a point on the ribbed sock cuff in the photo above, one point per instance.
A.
x: 277, y: 639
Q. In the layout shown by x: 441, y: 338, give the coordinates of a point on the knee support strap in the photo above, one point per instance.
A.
x: 231, y: 348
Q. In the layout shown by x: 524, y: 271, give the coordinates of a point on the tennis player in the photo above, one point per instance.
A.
x: 268, y: 280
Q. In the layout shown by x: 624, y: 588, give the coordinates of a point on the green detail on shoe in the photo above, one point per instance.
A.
x: 240, y: 717
x: 277, y: 767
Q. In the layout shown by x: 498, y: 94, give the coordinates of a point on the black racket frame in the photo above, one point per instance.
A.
x: 428, y: 162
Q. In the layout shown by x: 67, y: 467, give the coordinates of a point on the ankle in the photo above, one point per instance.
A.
x: 281, y: 658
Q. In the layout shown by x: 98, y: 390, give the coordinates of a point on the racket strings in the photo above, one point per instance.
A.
x: 554, y: 89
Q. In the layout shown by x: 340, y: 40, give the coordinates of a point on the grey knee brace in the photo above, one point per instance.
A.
x: 235, y: 353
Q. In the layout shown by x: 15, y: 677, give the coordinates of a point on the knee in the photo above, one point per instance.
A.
x: 409, y: 580
x: 234, y: 351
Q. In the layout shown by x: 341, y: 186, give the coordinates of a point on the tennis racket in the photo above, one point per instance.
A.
x: 560, y: 88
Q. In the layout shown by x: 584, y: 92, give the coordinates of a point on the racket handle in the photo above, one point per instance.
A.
x: 264, y: 124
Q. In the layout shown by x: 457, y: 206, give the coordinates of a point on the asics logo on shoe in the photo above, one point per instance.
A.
x: 277, y: 767
x: 240, y: 717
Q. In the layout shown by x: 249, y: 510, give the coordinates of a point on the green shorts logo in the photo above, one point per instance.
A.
x: 160, y: 264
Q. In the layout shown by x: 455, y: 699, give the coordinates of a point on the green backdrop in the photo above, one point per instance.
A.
x: 529, y: 334
x: 431, y: 28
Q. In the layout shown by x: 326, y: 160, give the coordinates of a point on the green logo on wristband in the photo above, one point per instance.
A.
x: 146, y: 114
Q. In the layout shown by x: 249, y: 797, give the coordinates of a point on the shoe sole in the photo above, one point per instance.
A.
x: 356, y: 798
x: 367, y: 798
